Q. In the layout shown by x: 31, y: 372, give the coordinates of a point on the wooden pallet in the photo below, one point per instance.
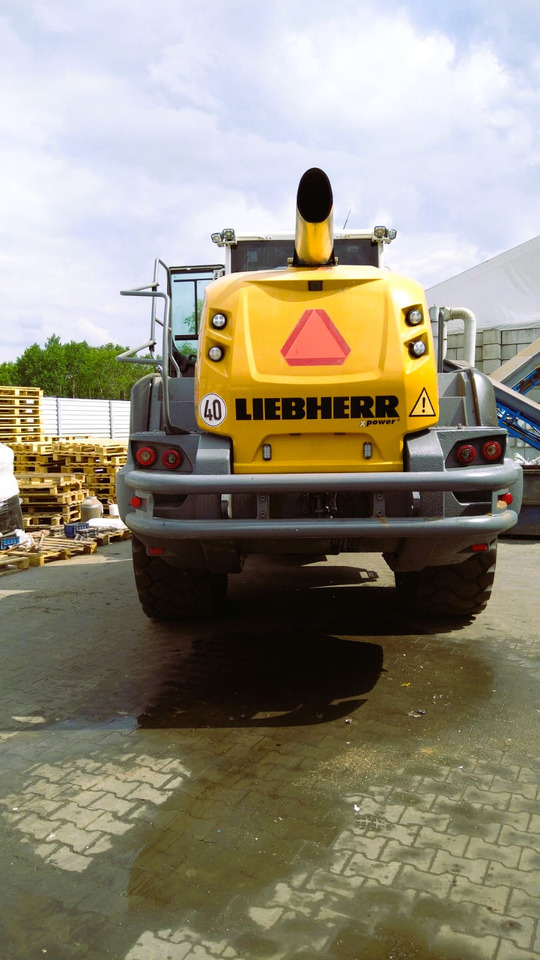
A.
x: 112, y: 536
x: 9, y: 563
x: 9, y: 391
x: 51, y: 548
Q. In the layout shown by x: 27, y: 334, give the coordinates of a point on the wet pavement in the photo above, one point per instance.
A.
x: 310, y: 776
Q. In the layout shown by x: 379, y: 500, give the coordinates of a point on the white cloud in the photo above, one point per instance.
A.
x: 137, y: 131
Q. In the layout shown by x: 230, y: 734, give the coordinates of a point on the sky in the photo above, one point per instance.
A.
x: 132, y: 130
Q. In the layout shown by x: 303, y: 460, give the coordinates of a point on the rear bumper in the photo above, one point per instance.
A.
x: 491, y: 480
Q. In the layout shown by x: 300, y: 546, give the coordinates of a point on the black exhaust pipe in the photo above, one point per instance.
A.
x: 314, y: 238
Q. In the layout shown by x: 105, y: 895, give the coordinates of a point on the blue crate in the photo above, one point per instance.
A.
x: 9, y: 541
x: 72, y: 529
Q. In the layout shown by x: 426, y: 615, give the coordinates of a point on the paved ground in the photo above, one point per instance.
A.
x: 308, y: 777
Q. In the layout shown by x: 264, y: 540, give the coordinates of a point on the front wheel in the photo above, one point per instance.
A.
x: 168, y: 593
x: 458, y: 590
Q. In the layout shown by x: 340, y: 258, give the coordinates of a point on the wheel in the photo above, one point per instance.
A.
x: 458, y: 590
x: 167, y: 593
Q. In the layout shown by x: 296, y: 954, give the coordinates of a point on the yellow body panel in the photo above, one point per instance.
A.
x: 316, y: 366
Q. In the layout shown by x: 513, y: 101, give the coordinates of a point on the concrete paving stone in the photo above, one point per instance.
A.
x: 520, y: 804
x: 445, y: 862
x: 75, y: 814
x: 464, y: 946
x: 522, y: 788
x: 151, y: 947
x: 436, y: 821
x: 423, y: 800
x: 404, y: 834
x: 498, y: 801
x: 101, y: 845
x: 497, y: 769
x: 465, y: 778
x: 362, y: 866
x: 36, y: 827
x: 529, y: 775
x: 105, y: 823
x: 478, y: 849
x: 453, y: 843
x: 498, y: 874
x: 379, y: 792
x: 370, y: 847
x: 410, y: 878
x: 509, y: 951
x: 148, y: 794
x: 72, y: 836
x: 521, y: 904
x: 46, y: 789
x: 395, y: 852
x: 67, y: 859
x: 521, y: 838
x: 519, y: 931
x: 530, y: 860
x: 32, y: 804
x: 146, y: 775
x: 112, y: 803
x: 534, y: 825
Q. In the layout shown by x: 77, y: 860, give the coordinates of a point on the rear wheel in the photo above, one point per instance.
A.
x: 458, y: 590
x: 168, y: 593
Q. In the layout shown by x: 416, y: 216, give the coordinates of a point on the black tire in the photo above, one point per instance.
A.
x: 168, y: 593
x: 458, y: 590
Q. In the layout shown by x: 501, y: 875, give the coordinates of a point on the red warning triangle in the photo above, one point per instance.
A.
x: 315, y: 341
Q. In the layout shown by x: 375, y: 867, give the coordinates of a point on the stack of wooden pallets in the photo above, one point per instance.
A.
x: 97, y: 461
x: 55, y: 476
x: 35, y: 457
x: 49, y: 499
x: 20, y: 414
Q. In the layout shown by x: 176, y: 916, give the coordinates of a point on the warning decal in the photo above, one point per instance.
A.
x: 423, y: 406
x: 315, y: 341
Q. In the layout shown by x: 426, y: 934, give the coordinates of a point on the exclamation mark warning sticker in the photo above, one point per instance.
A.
x: 423, y: 406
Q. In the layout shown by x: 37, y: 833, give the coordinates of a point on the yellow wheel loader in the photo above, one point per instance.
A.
x: 299, y: 407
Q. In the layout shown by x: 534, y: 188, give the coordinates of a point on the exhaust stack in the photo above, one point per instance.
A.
x: 314, y: 238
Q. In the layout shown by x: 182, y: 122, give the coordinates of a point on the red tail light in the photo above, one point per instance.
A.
x: 491, y: 450
x: 466, y: 453
x: 145, y: 456
x: 171, y: 459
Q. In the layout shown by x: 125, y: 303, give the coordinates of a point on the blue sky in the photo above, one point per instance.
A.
x: 132, y: 130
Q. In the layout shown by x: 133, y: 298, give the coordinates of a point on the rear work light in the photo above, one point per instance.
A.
x: 466, y: 453
x: 171, y: 459
x: 145, y: 456
x: 417, y: 348
x: 491, y: 450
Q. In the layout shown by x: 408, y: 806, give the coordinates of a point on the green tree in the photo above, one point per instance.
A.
x: 74, y: 369
x: 7, y: 374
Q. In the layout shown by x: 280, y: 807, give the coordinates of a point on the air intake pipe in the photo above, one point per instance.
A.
x: 314, y: 237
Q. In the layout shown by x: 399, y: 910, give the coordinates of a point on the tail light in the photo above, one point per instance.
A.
x: 145, y: 456
x: 466, y: 453
x: 491, y: 450
x: 171, y: 459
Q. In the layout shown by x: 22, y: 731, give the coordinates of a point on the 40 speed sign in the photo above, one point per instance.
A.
x: 212, y: 410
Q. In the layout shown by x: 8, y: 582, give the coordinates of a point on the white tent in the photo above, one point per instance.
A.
x: 502, y: 292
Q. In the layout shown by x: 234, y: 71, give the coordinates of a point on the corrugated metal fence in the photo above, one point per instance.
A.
x: 64, y: 417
